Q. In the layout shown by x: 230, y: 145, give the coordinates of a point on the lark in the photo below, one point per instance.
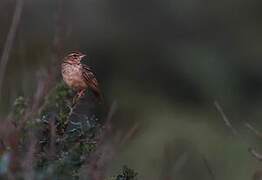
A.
x: 79, y: 77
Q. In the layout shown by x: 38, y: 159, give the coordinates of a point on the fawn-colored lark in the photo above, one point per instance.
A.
x: 79, y: 76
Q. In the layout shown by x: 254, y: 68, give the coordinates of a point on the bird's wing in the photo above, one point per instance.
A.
x: 89, y: 77
x: 92, y: 83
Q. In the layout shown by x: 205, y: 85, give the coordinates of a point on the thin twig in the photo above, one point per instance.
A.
x: 91, y: 168
x: 2, y: 145
x: 29, y: 160
x: 172, y: 169
x: 97, y: 165
x: 71, y: 110
x: 52, y: 150
x: 224, y: 117
x: 48, y: 76
x: 107, y: 126
x: 249, y: 126
x: 251, y: 150
x: 209, y: 169
x: 58, y: 29
x: 73, y: 106
x: 179, y: 164
x: 10, y: 40
x: 130, y: 133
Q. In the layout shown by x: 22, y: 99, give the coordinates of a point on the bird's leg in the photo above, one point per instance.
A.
x: 80, y: 94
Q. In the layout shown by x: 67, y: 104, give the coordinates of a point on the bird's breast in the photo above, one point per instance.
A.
x: 72, y: 75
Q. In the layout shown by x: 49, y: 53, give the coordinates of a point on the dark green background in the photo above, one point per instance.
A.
x: 165, y: 62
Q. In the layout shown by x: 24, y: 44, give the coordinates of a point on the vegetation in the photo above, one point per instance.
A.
x: 57, y: 140
x: 127, y: 174
x: 165, y: 63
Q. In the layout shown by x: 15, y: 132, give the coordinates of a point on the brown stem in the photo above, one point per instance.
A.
x: 10, y: 39
x: 251, y: 150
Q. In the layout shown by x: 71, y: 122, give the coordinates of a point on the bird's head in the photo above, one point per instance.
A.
x: 74, y: 57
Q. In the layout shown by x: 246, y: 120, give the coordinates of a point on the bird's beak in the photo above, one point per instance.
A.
x: 83, y: 55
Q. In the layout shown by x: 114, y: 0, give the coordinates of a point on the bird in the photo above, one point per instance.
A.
x: 79, y: 76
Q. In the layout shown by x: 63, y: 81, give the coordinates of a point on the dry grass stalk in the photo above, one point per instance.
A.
x: 10, y: 39
x: 251, y: 150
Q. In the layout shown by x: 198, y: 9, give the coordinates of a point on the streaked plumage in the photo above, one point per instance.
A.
x: 79, y: 76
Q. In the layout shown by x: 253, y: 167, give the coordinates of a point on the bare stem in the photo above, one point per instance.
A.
x: 209, y: 169
x: 249, y: 126
x: 251, y: 150
x: 10, y: 40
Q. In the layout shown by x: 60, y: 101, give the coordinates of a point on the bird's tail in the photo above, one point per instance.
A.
x: 98, y: 95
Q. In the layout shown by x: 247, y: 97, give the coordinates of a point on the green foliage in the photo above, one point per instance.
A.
x: 20, y: 105
x: 72, y: 133
x: 127, y: 174
x: 74, y: 140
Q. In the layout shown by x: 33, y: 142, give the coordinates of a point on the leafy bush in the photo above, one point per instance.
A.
x: 127, y: 174
x: 56, y: 142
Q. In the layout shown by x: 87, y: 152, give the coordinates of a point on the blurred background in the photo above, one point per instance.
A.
x: 165, y: 63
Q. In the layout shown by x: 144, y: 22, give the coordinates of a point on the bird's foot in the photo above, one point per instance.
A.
x: 79, y: 95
